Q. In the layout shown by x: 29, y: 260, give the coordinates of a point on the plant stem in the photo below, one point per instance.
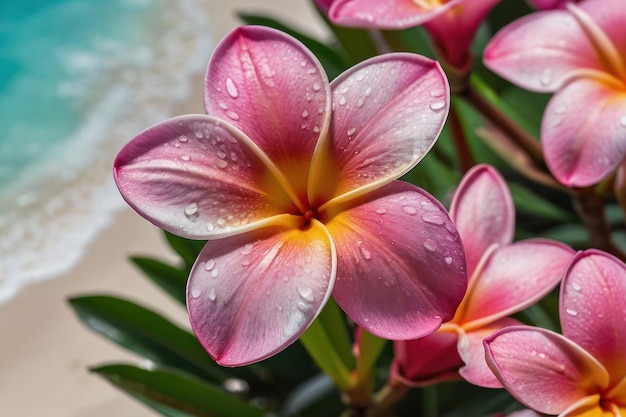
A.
x: 463, y: 152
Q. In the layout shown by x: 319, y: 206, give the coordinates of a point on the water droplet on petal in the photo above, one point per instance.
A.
x: 429, y: 245
x: 195, y: 293
x: 437, y: 105
x: 368, y: 91
x: 210, y: 227
x: 212, y: 294
x: 366, y: 254
x: 185, y: 157
x: 316, y: 87
x: 409, y: 210
x: 185, y: 139
x: 209, y: 264
x: 231, y: 88
x: 215, y: 272
x: 351, y: 131
x: 571, y: 312
x: 191, y: 209
x: 247, y: 249
x: 342, y: 100
x: 306, y: 293
x: 448, y: 260
x: 576, y: 286
x: 221, y: 163
x: 381, y: 211
x: 223, y: 105
x: 305, y: 114
x: 434, y: 218
x: 232, y: 115
x: 542, y: 355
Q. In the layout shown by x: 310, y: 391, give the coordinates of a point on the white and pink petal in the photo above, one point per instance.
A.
x: 542, y: 369
x: 483, y: 212
x: 198, y: 177
x: 583, y: 131
x: 274, y: 90
x: 250, y: 296
x: 401, y: 265
x: 592, y: 308
x: 387, y: 113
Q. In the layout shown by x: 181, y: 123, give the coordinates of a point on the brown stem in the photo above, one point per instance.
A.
x: 590, y: 207
x: 464, y: 154
x: 523, y: 139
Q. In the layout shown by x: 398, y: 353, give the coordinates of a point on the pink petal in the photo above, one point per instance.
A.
x: 272, y: 88
x: 483, y: 212
x: 514, y: 277
x: 583, y: 131
x: 251, y: 295
x: 609, y: 16
x: 387, y: 113
x: 543, y: 370
x: 592, y: 309
x: 539, y: 51
x: 384, y: 14
x: 401, y: 266
x: 427, y: 360
x: 472, y: 352
x: 453, y: 32
x: 198, y: 177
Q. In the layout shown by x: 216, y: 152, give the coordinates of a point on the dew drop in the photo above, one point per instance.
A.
x: 381, y: 211
x: 366, y: 254
x: 185, y: 139
x: 221, y: 154
x: 198, y: 134
x: 305, y: 114
x: 306, y: 294
x: 231, y: 88
x: 195, y: 293
x: 571, y: 312
x: 221, y: 163
x: 209, y: 264
x: 576, y: 286
x: 342, y: 100
x: 542, y: 355
x: 434, y: 218
x: 429, y: 245
x: 409, y: 210
x: 215, y: 272
x: 245, y: 262
x: 316, y: 87
x: 448, y: 260
x: 359, y: 102
x: 185, y: 157
x: 212, y: 294
x: 368, y: 91
x: 191, y: 209
x: 232, y: 115
x: 351, y: 131
x: 223, y: 105
x: 247, y: 249
x: 221, y: 221
x: 437, y: 105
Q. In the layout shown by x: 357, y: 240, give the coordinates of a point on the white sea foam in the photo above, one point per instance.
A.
x: 46, y: 222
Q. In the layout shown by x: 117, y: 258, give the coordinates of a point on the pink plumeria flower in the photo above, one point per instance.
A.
x: 505, y: 278
x: 452, y: 24
x: 579, y: 53
x: 292, y: 181
x: 583, y: 371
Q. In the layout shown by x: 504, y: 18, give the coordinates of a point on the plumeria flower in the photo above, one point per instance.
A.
x: 292, y: 181
x: 505, y: 278
x: 452, y: 24
x: 583, y: 371
x: 579, y: 54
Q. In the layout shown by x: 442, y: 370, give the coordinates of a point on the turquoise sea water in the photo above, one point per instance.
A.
x: 78, y: 78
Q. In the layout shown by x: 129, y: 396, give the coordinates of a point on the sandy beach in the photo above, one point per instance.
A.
x: 45, y: 350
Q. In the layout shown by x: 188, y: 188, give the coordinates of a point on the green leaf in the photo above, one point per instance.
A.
x: 171, y: 393
x: 146, y: 333
x: 187, y: 249
x: 332, y: 60
x: 171, y: 279
x: 528, y: 202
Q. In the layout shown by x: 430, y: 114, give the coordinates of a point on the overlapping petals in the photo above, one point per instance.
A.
x: 582, y: 371
x: 502, y: 282
x: 579, y: 53
x: 452, y: 24
x: 292, y: 181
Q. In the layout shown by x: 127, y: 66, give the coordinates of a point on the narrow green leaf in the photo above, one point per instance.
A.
x: 187, y: 249
x: 332, y: 60
x: 527, y: 201
x: 146, y: 333
x: 333, y: 320
x: 171, y: 279
x: 171, y: 390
